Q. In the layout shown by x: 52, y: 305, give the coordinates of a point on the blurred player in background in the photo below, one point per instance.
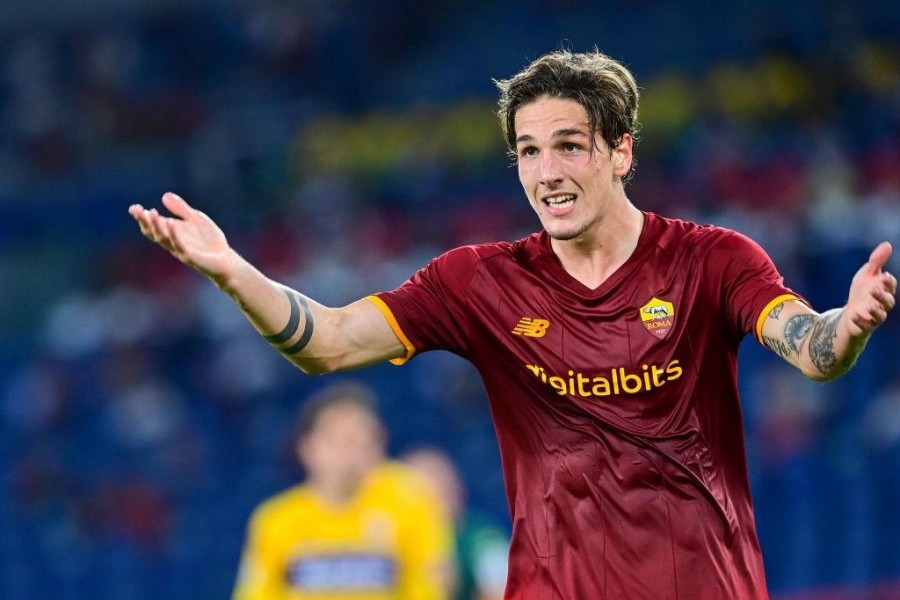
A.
x: 607, y: 344
x: 359, y: 528
x: 482, y: 545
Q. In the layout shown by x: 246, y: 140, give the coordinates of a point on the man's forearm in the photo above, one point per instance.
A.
x: 316, y: 338
x: 830, y: 350
x: 282, y: 316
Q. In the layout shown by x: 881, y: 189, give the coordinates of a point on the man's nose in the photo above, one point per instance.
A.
x: 550, y: 168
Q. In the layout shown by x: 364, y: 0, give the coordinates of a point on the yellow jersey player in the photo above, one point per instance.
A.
x: 360, y: 527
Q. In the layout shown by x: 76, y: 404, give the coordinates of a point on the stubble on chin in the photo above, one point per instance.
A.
x: 564, y: 234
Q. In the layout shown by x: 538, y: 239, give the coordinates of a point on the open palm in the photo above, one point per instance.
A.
x: 872, y: 293
x: 189, y: 235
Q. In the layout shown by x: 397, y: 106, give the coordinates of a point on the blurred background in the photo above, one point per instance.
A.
x: 341, y: 144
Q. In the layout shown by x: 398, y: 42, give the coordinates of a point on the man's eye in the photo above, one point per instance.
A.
x: 529, y: 151
x: 570, y: 147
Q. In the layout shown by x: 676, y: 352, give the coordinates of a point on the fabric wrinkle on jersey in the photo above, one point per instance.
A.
x: 616, y: 409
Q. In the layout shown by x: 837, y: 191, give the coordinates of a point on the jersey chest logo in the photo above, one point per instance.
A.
x: 531, y: 327
x: 658, y: 316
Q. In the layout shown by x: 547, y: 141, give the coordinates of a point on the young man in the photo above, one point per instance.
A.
x: 359, y: 528
x: 607, y: 344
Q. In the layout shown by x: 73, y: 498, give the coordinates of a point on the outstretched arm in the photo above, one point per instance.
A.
x: 316, y: 338
x: 825, y: 346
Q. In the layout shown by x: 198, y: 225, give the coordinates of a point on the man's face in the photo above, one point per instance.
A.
x: 570, y: 183
x: 344, y: 444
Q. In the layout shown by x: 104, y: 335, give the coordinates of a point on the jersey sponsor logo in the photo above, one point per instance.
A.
x: 658, y: 316
x: 618, y: 381
x: 342, y: 573
x: 529, y: 327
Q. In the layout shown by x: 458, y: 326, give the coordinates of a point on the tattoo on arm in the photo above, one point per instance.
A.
x: 773, y: 314
x: 796, y: 330
x: 307, y: 330
x: 778, y: 346
x: 821, y: 344
x: 293, y: 325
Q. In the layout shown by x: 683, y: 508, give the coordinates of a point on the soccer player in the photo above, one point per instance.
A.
x: 607, y: 343
x: 360, y: 527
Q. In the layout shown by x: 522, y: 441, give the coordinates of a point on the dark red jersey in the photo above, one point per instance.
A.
x: 616, y: 409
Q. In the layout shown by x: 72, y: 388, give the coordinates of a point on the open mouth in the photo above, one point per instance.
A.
x: 561, y: 201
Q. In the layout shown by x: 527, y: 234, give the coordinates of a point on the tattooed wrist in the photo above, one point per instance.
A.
x: 821, y: 343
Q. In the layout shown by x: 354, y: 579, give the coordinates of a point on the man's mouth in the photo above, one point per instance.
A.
x: 560, y: 201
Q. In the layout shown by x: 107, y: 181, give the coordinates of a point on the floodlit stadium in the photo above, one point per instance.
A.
x: 341, y: 146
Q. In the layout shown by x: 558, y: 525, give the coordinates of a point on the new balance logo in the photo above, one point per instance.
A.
x: 531, y: 327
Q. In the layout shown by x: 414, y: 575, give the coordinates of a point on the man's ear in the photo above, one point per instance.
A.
x: 622, y: 155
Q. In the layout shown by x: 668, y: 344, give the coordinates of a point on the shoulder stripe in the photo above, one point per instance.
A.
x: 395, y: 326
x: 761, y: 319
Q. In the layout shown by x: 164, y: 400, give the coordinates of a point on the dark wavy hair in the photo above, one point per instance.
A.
x: 603, y: 86
x: 336, y: 394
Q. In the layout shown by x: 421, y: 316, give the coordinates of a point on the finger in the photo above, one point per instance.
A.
x: 156, y: 226
x: 890, y: 283
x: 135, y: 210
x: 172, y: 236
x: 144, y: 220
x: 860, y: 321
x: 865, y: 323
x: 137, y: 213
x: 878, y: 258
x: 177, y: 206
x: 875, y: 315
x: 884, y: 298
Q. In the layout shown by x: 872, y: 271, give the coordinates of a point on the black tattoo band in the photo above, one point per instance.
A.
x: 307, y: 329
x: 293, y: 323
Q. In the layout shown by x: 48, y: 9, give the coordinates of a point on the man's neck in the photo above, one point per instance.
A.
x: 336, y: 492
x: 335, y: 496
x: 594, y: 257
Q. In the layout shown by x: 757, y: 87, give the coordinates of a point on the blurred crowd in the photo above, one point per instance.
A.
x: 341, y: 145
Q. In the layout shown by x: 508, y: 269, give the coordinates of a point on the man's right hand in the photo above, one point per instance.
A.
x: 350, y: 337
x: 190, y: 236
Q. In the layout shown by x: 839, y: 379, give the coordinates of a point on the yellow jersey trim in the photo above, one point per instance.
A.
x: 395, y: 326
x: 765, y: 312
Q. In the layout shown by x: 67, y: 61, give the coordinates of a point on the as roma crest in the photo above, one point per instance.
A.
x: 658, y: 316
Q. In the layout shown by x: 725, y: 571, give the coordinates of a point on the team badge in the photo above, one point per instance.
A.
x: 658, y: 316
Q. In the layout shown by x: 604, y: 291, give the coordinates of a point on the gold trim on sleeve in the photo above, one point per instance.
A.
x: 395, y: 326
x: 768, y: 308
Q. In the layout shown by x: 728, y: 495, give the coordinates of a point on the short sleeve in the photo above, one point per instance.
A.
x: 744, y: 279
x: 428, y: 311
